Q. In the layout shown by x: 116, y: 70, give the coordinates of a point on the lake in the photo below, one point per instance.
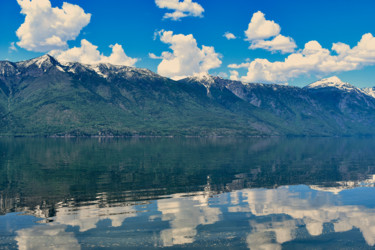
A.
x: 192, y: 193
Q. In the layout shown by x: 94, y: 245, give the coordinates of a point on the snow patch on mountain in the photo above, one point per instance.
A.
x: 96, y: 68
x: 106, y: 70
x: 369, y: 91
x: 7, y: 68
x: 40, y: 62
x: 60, y: 68
x: 203, y: 78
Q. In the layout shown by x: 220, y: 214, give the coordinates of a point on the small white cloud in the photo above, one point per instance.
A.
x: 180, y: 9
x: 234, y: 75
x: 12, y: 47
x: 153, y: 56
x: 229, y: 36
x: 239, y: 66
x: 46, y: 28
x: 222, y: 75
x: 89, y: 54
x: 279, y: 43
x: 312, y: 60
x: 177, y: 15
x: 260, y: 30
x: 186, y: 59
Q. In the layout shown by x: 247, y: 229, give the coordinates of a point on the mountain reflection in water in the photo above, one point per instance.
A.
x: 199, y: 193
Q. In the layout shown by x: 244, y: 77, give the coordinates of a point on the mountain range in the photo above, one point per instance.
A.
x: 43, y: 97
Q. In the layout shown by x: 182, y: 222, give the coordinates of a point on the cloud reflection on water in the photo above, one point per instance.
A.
x: 275, y: 216
x: 184, y: 214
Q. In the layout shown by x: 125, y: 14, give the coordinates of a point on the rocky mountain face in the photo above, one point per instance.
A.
x: 326, y: 107
x: 47, y: 98
x: 44, y: 97
x: 344, y: 102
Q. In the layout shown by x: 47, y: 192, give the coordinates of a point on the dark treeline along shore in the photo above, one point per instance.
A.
x: 43, y: 97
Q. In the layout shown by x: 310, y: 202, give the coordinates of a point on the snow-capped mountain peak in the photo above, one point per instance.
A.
x: 331, y: 82
x: 333, y: 79
x: 40, y: 62
x: 369, y: 91
x: 203, y: 78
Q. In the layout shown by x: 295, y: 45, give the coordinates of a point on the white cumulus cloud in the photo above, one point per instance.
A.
x: 229, y: 36
x: 260, y: 30
x: 46, y: 28
x: 279, y: 43
x: 363, y: 53
x: 312, y: 60
x: 89, y: 54
x: 180, y: 9
x: 186, y: 58
x: 234, y: 75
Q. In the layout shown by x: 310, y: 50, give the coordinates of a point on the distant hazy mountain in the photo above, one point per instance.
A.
x: 44, y: 97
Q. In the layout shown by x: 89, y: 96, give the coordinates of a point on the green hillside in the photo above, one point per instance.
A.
x: 42, y: 97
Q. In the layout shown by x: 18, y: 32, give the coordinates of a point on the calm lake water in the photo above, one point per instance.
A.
x: 274, y: 193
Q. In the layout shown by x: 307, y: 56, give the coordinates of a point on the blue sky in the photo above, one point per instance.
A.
x: 141, y: 28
